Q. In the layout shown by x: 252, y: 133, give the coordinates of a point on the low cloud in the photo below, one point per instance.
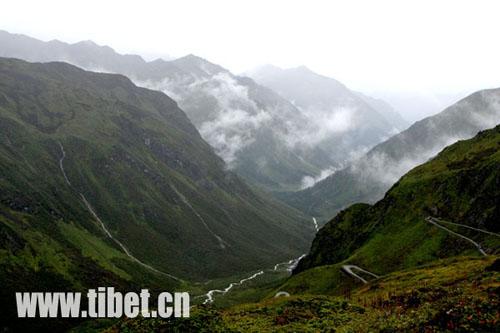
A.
x: 231, y: 131
x: 316, y: 126
x: 472, y: 115
x: 233, y: 119
x: 309, y: 181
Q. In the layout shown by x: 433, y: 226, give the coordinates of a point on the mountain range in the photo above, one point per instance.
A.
x: 423, y: 259
x: 268, y: 140
x: 93, y: 154
x: 322, y: 96
x: 370, y: 176
x: 445, y: 207
x: 164, y: 175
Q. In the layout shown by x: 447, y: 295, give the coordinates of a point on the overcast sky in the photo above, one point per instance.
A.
x: 439, y: 46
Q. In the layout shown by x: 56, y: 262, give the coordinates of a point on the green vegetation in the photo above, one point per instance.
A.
x: 459, y: 185
x: 161, y: 191
x: 430, y: 280
x: 460, y: 294
x: 143, y: 167
x: 157, y: 186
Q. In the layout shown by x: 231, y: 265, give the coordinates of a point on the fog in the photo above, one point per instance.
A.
x: 227, y: 116
x: 470, y: 115
x: 309, y: 181
x: 319, y: 125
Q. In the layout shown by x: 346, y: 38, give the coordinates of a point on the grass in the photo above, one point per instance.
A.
x: 457, y: 294
x: 459, y: 185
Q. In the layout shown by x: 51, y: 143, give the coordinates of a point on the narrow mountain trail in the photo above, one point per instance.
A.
x: 222, y: 243
x: 349, y: 270
x: 468, y: 227
x: 434, y: 221
x: 282, y: 294
x: 103, y: 226
x: 315, y: 224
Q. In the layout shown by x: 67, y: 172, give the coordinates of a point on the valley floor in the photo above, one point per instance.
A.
x: 457, y: 294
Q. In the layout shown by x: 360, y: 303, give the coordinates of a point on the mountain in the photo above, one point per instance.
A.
x: 245, y: 123
x: 95, y: 167
x: 260, y: 135
x: 357, y: 121
x: 252, y: 128
x: 369, y: 177
x: 389, y: 267
x: 86, y: 54
x: 445, y: 207
x: 386, y: 110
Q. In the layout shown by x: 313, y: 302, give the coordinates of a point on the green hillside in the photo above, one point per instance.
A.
x: 460, y: 185
x: 85, y: 157
x: 448, y: 296
x: 420, y: 274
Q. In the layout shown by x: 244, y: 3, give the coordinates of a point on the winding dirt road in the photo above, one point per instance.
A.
x: 348, y: 269
x: 468, y: 227
x: 434, y: 221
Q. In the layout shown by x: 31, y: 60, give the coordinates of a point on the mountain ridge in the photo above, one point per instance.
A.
x: 257, y: 132
x: 459, y: 185
x: 369, y: 177
x: 112, y: 131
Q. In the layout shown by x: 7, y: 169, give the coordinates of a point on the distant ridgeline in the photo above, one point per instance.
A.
x: 261, y: 134
x: 368, y: 178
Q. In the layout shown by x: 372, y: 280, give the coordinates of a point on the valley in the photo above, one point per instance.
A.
x: 269, y: 141
x: 394, y: 269
x: 280, y: 199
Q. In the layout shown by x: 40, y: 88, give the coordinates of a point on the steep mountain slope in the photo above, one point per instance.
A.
x: 250, y: 127
x: 445, y: 207
x: 386, y: 110
x: 260, y: 135
x: 367, y: 179
x: 86, y: 152
x: 420, y: 284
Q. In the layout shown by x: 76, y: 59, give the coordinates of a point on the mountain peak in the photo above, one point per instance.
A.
x: 195, y: 63
x: 303, y: 68
x: 192, y: 58
x: 87, y: 42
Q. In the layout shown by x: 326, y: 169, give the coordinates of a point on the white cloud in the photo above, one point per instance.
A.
x: 309, y: 181
x: 231, y: 131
